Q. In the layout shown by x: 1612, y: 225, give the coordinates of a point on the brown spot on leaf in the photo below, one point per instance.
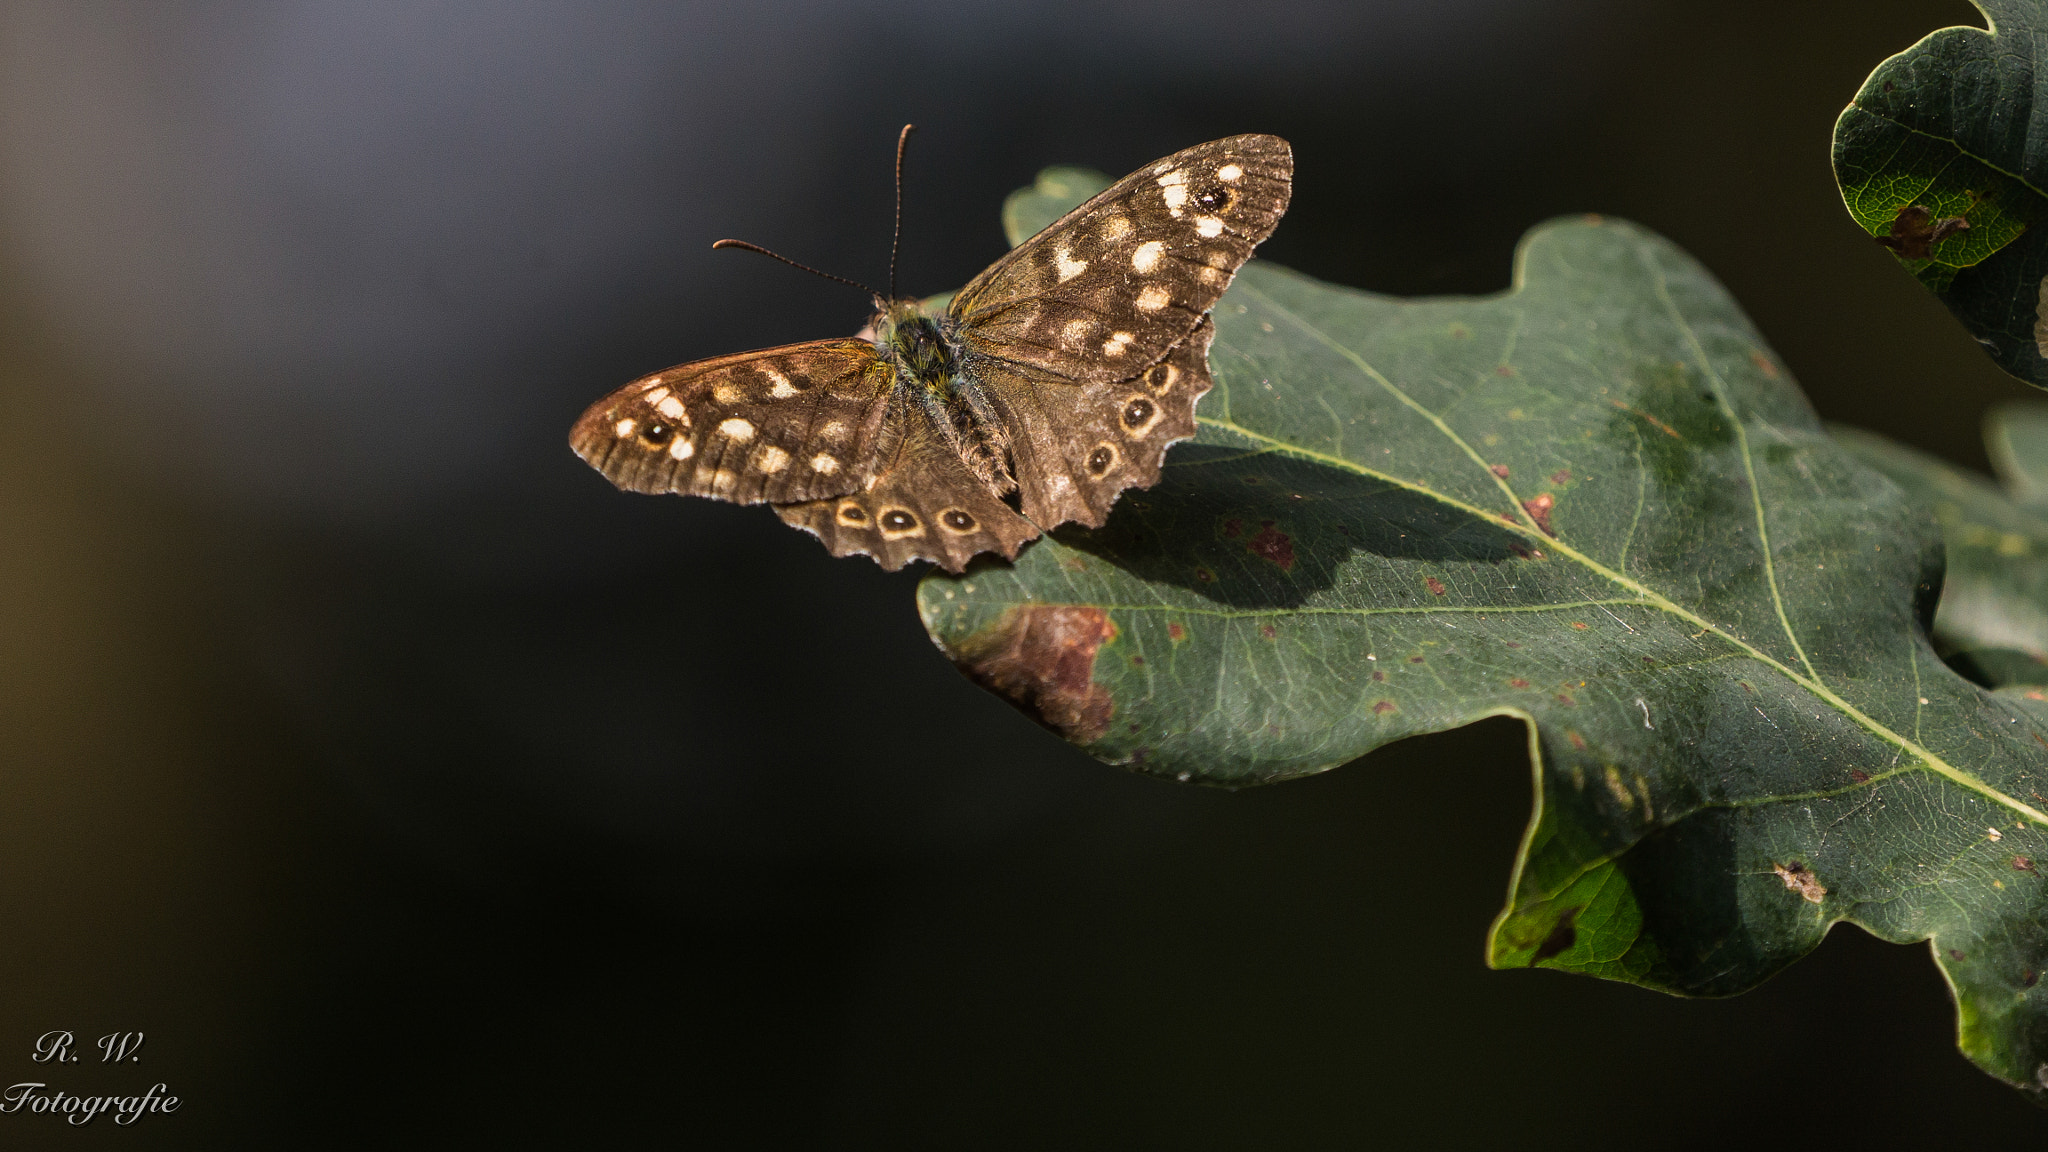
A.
x: 1383, y: 707
x: 2024, y: 864
x: 1518, y: 682
x: 1577, y: 740
x: 1435, y: 585
x: 1915, y: 232
x: 1799, y: 878
x: 1859, y: 775
x: 2029, y: 977
x: 1565, y: 698
x: 1176, y: 632
x: 1042, y: 657
x: 1562, y: 475
x: 1266, y: 630
x: 1580, y: 625
x: 1415, y: 659
x: 1514, y: 643
x: 1562, y: 936
x: 1956, y: 954
x: 1272, y: 545
x: 1500, y: 470
x: 1378, y: 676
x: 1204, y: 575
x: 1763, y: 363
x: 1074, y: 564
x: 1504, y: 370
x: 1233, y: 528
x: 1539, y: 507
x: 1138, y: 660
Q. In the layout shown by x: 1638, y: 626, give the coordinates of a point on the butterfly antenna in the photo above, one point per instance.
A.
x: 794, y: 264
x: 896, y: 238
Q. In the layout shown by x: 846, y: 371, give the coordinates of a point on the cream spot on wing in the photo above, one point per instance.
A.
x: 1176, y: 195
x: 824, y: 465
x: 681, y: 448
x: 654, y: 395
x: 1154, y: 297
x: 1076, y: 332
x: 727, y: 393
x: 1208, y: 227
x: 724, y: 480
x: 1068, y: 266
x: 1117, y: 342
x: 773, y: 459
x: 1116, y: 228
x: 1212, y: 275
x: 1174, y: 177
x: 834, y: 430
x: 1229, y: 172
x: 670, y: 407
x: 1146, y: 258
x: 782, y: 390
x: 736, y: 428
x: 624, y: 428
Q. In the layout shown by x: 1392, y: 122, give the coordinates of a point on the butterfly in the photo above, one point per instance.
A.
x: 1053, y: 381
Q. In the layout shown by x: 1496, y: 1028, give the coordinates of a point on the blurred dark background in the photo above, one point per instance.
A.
x: 406, y: 784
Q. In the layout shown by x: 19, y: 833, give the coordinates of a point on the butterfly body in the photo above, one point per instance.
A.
x: 1054, y: 380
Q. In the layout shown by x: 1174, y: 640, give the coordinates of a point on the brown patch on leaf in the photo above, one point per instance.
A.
x: 2029, y: 977
x: 1518, y: 682
x: 1415, y: 659
x: 1042, y: 657
x: 1233, y: 528
x: 1565, y: 698
x: 1763, y: 363
x: 1956, y: 954
x: 1504, y: 370
x: 1204, y: 575
x: 1435, y: 585
x: 1915, y: 232
x: 1661, y: 426
x: 1383, y: 707
x: 1266, y: 630
x: 1561, y: 476
x: 1859, y: 775
x: 1539, y: 507
x: 1500, y: 470
x: 1176, y: 633
x: 1577, y: 740
x: 1799, y: 878
x: 1580, y: 625
x: 2024, y: 864
x: 1563, y: 935
x: 1272, y: 545
x: 1378, y: 676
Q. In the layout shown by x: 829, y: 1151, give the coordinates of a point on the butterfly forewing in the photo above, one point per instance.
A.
x: 780, y: 425
x: 924, y: 504
x: 1077, y: 447
x: 1103, y: 292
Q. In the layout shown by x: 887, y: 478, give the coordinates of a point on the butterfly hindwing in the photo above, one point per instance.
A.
x: 786, y: 424
x: 1077, y: 447
x: 1103, y: 292
x: 924, y: 504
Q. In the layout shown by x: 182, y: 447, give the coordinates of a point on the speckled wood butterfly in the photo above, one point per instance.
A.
x: 1056, y: 379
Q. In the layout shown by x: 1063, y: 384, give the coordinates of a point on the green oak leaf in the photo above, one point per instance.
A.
x: 1993, y: 618
x: 1945, y: 127
x: 2016, y: 435
x: 1596, y: 503
x: 1056, y: 191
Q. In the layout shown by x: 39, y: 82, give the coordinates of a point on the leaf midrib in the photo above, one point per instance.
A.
x: 1646, y: 595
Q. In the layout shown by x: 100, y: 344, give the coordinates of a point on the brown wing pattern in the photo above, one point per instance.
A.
x: 1077, y: 447
x: 779, y: 425
x: 1104, y: 291
x: 923, y: 505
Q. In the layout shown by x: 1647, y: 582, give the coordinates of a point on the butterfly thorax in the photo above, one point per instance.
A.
x: 931, y: 374
x: 924, y: 348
